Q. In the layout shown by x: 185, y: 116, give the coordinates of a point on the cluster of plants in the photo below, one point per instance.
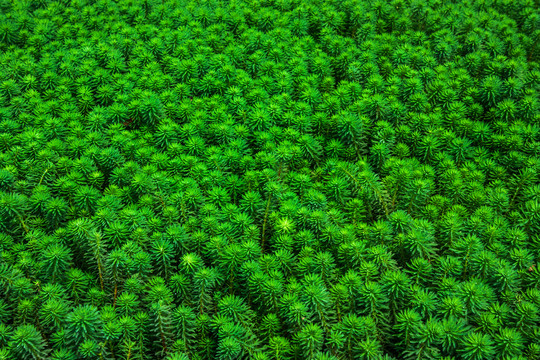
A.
x: 269, y: 179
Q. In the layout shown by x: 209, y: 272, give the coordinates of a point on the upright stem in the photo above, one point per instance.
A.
x: 115, y: 293
x: 22, y: 223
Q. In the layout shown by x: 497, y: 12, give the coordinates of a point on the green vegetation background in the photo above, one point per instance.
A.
x: 276, y: 179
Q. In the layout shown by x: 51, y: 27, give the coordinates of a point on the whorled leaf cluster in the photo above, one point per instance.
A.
x: 275, y: 179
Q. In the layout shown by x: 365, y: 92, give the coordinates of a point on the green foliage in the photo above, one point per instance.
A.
x: 84, y: 324
x: 27, y: 343
x: 269, y: 180
x: 478, y: 346
x: 310, y: 340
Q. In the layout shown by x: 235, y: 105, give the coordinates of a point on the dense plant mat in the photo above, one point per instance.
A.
x: 276, y: 179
